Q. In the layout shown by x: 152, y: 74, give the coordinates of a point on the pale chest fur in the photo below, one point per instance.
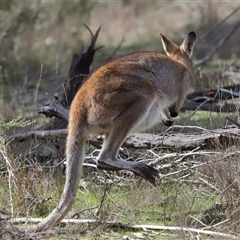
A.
x: 152, y: 115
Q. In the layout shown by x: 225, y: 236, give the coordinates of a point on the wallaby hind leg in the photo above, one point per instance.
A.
x: 112, y: 163
x: 107, y: 158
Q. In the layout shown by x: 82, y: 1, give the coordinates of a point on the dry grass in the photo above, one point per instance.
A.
x: 200, y: 192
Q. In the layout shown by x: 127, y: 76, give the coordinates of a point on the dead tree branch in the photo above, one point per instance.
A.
x: 79, y: 69
x: 38, y: 134
x: 54, y: 109
x: 215, y: 95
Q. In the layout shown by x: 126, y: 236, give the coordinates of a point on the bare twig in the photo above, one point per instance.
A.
x: 209, y: 184
x: 181, y: 155
x: 235, y: 122
x: 77, y: 214
x: 102, y: 200
x: 11, y: 175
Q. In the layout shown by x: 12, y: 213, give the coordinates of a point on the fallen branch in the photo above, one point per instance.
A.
x: 215, y: 95
x: 45, y: 134
x: 136, y: 226
x: 218, y: 108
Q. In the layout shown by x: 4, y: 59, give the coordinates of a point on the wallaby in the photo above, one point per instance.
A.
x: 128, y: 94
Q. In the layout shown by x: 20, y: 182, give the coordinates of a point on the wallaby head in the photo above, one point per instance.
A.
x: 181, y: 54
x: 175, y: 51
x: 125, y: 95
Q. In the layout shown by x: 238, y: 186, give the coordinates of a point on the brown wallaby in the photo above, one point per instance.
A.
x: 128, y: 94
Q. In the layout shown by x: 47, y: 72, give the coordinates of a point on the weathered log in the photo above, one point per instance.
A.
x: 178, y: 141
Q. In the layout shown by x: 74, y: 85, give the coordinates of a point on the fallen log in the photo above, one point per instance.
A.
x: 143, y: 227
x: 180, y: 140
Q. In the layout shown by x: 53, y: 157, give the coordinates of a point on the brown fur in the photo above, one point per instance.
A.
x: 125, y: 95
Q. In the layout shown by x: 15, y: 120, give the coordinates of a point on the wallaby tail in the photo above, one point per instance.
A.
x: 75, y: 154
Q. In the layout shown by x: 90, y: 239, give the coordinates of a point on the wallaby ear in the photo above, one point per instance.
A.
x: 168, y: 46
x: 188, y: 44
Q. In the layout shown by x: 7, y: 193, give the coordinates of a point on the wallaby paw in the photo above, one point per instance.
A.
x: 167, y: 122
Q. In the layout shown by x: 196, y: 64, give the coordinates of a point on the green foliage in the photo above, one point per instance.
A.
x: 14, y: 123
x: 4, y: 127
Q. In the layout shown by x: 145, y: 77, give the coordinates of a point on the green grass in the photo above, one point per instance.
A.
x: 205, y: 119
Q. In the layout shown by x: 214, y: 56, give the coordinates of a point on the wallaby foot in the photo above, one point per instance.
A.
x: 140, y: 169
